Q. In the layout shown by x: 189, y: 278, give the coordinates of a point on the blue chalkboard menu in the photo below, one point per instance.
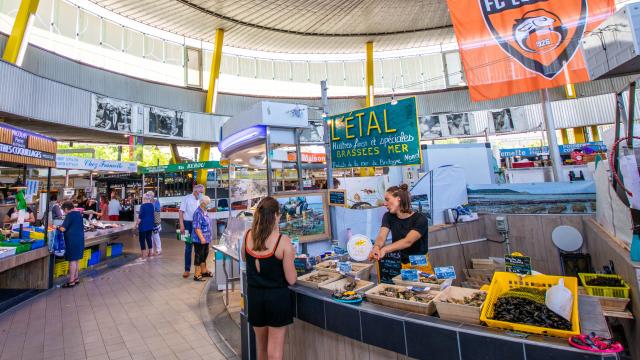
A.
x: 389, y: 267
x: 337, y: 198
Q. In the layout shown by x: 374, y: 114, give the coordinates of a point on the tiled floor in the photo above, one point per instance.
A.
x: 143, y: 310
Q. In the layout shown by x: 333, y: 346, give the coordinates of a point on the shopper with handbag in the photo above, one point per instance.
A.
x: 157, y: 227
x: 145, y: 224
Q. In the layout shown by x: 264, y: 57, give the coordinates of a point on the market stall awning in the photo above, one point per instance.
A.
x: 180, y: 167
x: 19, y: 146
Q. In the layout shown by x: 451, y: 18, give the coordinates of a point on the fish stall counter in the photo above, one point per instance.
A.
x: 107, y: 232
x: 326, y: 329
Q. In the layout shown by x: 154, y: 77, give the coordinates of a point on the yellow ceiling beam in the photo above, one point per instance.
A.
x: 212, y: 98
x: 19, y: 38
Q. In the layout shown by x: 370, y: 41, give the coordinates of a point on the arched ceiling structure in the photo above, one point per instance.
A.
x: 298, y: 26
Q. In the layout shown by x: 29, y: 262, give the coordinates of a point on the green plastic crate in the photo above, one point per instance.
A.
x: 20, y: 247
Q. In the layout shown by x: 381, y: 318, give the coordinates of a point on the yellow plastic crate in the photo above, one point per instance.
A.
x: 86, y: 254
x: 503, y: 282
x: 606, y: 291
x: 109, y: 250
x: 60, y: 268
x: 83, y: 264
x: 36, y: 235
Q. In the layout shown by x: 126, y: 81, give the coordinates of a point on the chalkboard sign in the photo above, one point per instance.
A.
x: 337, y: 198
x: 389, y: 267
x: 517, y: 264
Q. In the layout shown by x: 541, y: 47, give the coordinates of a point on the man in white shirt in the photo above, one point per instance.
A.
x: 188, y: 206
x: 114, y: 208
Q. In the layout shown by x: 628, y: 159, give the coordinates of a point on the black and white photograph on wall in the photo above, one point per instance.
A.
x: 314, y: 133
x: 458, y: 124
x: 429, y: 126
x: 112, y: 114
x: 502, y: 121
x: 165, y: 122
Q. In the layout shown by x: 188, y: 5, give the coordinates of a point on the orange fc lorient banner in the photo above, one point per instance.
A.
x: 514, y: 46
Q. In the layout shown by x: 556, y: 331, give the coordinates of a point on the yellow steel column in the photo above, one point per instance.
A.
x: 578, y: 133
x: 565, y: 136
x: 369, y: 74
x: 595, y: 133
x: 369, y: 171
x: 175, y: 157
x: 212, y: 97
x: 18, y: 40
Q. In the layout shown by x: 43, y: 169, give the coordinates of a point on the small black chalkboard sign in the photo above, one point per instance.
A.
x: 337, y: 198
x: 517, y: 264
x: 389, y: 267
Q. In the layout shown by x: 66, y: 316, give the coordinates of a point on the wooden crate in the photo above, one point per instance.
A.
x: 456, y: 312
x: 302, y: 280
x: 359, y: 270
x: 437, y: 287
x: 481, y: 273
x: 406, y: 305
x: 361, y: 285
x: 486, y: 264
x: 612, y: 303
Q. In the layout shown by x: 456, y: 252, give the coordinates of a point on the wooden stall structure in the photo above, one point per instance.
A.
x: 24, y: 149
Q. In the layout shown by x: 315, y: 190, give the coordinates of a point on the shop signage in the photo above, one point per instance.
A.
x: 25, y: 147
x: 20, y: 138
x: 381, y: 135
x: 515, y: 46
x: 308, y: 157
x: 544, y: 150
x: 337, y: 198
x: 181, y: 167
x: 389, y: 267
x: 77, y: 163
x: 517, y: 264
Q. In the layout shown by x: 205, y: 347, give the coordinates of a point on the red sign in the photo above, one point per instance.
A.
x: 308, y: 157
x: 514, y: 46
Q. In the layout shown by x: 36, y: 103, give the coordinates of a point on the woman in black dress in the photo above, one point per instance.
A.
x: 269, y: 257
x: 73, y: 229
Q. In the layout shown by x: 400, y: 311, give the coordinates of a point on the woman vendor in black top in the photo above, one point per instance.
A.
x: 409, y: 229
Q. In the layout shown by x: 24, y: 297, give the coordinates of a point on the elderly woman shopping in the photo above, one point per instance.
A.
x: 201, y: 238
x: 145, y: 224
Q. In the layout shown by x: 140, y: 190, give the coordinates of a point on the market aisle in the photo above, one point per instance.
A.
x: 143, y: 310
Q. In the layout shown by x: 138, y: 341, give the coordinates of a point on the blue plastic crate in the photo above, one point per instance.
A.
x: 95, y: 258
x: 36, y: 244
x: 116, y: 249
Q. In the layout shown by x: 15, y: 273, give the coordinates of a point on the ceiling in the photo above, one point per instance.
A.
x: 298, y: 26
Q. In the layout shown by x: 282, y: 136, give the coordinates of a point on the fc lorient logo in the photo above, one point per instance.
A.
x: 542, y: 35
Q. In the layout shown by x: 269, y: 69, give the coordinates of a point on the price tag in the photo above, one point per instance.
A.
x: 517, y: 264
x: 300, y: 264
x: 445, y: 272
x: 418, y: 260
x: 409, y: 275
x: 344, y: 267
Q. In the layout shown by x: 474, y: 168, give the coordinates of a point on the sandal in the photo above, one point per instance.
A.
x: 68, y: 285
x: 207, y: 274
x: 198, y: 278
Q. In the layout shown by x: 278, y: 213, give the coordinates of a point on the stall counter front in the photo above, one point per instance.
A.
x: 326, y: 329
